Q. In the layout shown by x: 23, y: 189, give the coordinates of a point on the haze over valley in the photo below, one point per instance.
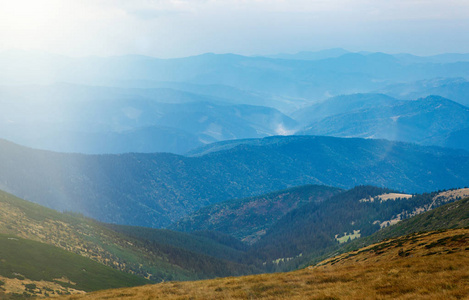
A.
x: 236, y: 150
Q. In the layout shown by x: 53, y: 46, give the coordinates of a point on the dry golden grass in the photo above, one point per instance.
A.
x: 43, y: 288
x: 427, y: 266
x: 453, y: 194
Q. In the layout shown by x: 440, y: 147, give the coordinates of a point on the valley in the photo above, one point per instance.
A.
x: 160, y: 188
x: 427, y: 265
x: 248, y: 219
x: 407, y: 260
x: 147, y: 255
x: 319, y: 175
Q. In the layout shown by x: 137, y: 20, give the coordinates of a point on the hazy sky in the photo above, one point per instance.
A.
x: 174, y: 28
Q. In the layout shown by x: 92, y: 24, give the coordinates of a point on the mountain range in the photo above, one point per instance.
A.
x: 376, y: 269
x: 142, y: 170
x: 428, y: 121
x: 285, y: 239
x: 97, y: 120
x: 455, y: 89
x: 331, y: 216
x: 157, y: 189
x: 287, y: 78
x: 132, y: 103
x: 158, y: 255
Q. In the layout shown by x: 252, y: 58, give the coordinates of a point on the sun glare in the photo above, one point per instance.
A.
x: 31, y: 24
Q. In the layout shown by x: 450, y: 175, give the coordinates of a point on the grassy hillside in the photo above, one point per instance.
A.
x: 39, y: 266
x: 248, y: 219
x: 151, y: 256
x: 429, y: 265
x: 154, y: 190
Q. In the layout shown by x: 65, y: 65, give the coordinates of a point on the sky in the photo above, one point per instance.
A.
x: 177, y: 28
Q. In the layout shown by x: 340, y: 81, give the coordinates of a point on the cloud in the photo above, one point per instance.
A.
x: 169, y: 28
x: 146, y: 9
x: 148, y: 14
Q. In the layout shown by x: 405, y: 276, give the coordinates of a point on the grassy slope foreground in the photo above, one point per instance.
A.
x: 161, y: 255
x: 429, y: 265
x: 32, y: 268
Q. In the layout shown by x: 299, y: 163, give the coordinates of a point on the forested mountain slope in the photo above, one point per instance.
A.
x: 248, y: 219
x: 315, y: 229
x: 448, y: 216
x: 157, y: 189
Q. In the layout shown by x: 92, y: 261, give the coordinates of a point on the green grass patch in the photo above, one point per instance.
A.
x: 37, y: 261
x: 348, y: 236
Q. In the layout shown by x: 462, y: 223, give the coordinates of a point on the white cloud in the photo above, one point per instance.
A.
x: 178, y: 27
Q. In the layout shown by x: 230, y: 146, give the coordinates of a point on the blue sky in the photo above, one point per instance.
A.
x: 175, y: 28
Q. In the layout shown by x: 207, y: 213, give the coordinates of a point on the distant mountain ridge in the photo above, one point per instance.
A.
x: 455, y: 89
x: 348, y: 73
x: 427, y: 121
x: 311, y: 55
x: 106, y: 120
x: 161, y: 188
x: 343, y: 104
x: 106, y: 105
